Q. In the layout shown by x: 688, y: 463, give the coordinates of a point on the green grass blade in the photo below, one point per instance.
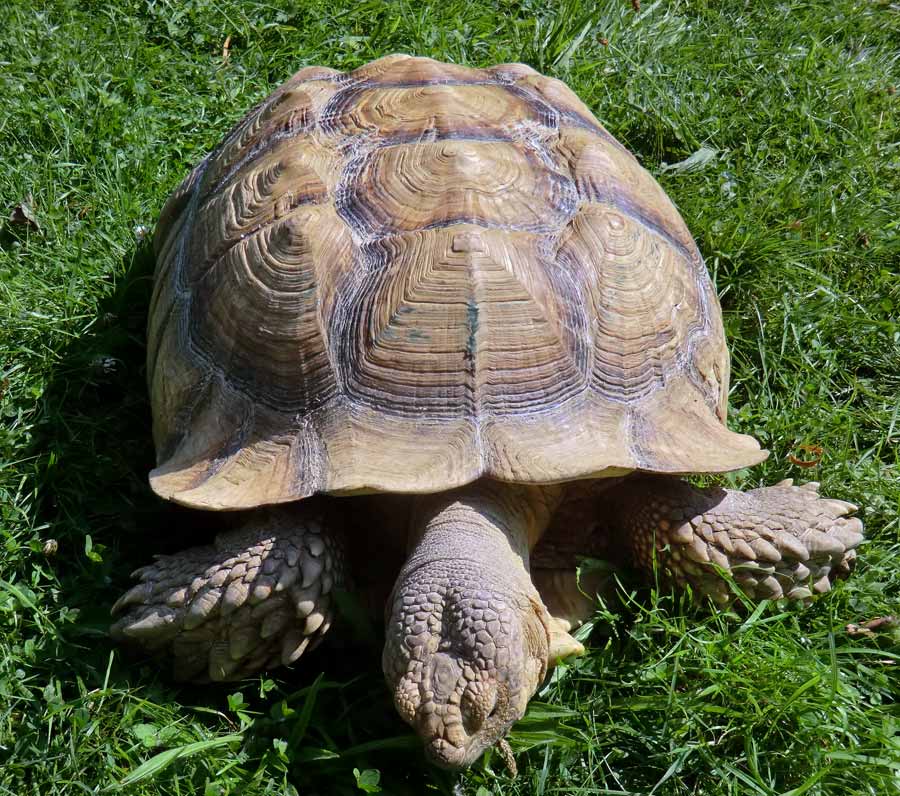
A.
x: 163, y: 760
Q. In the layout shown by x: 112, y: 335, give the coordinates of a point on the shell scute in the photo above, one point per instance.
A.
x: 407, y: 188
x: 289, y: 111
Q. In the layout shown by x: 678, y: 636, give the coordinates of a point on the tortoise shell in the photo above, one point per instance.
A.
x: 415, y: 274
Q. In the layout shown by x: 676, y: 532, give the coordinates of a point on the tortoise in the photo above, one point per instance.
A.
x: 449, y: 295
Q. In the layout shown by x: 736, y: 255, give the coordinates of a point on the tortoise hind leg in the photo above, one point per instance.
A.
x: 778, y: 541
x: 256, y: 598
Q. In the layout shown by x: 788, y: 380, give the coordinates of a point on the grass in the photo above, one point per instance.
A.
x: 774, y: 127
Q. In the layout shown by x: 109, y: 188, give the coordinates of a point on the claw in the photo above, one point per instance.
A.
x: 140, y: 572
x: 506, y: 754
x: 293, y: 646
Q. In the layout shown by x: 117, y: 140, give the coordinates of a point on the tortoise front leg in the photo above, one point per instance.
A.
x: 255, y: 599
x: 778, y: 541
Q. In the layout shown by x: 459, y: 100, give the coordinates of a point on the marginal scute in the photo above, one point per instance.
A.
x: 413, y: 275
x: 172, y: 215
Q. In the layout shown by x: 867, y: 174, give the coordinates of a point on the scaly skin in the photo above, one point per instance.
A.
x: 257, y: 598
x: 468, y: 639
x: 781, y: 541
x: 468, y: 636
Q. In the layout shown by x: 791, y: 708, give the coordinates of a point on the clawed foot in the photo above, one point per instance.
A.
x: 255, y: 599
x: 775, y: 542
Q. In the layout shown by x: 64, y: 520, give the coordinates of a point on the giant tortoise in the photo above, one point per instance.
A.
x: 451, y: 284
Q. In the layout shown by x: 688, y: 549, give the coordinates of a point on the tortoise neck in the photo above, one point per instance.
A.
x: 488, y: 521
